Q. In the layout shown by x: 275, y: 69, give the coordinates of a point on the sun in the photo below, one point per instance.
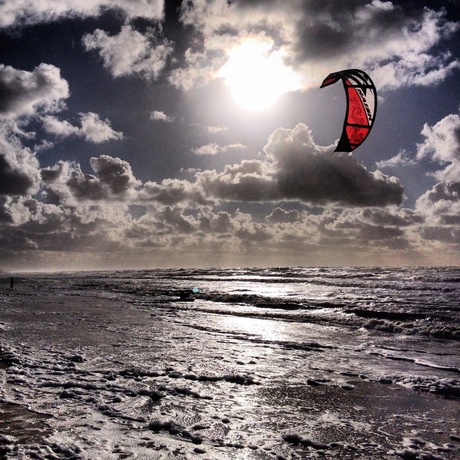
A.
x: 257, y: 75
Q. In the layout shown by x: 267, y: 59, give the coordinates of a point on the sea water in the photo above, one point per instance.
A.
x: 246, y: 363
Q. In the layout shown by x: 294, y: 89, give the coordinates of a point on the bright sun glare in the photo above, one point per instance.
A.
x: 256, y: 75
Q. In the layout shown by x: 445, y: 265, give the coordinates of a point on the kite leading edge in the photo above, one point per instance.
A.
x: 361, y: 107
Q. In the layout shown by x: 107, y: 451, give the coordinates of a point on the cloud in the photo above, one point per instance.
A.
x: 176, y: 221
x: 308, y: 172
x: 96, y: 130
x: 282, y: 216
x: 298, y: 169
x: 395, y: 41
x: 60, y: 128
x: 250, y: 180
x: 442, y: 144
x: 113, y: 181
x: 378, y: 230
x: 93, y: 129
x: 24, y: 93
x: 411, y: 69
x: 161, y: 116
x: 214, y: 149
x: 216, y: 223
x: 173, y: 192
x: 198, y: 69
x: 28, y: 12
x: 216, y: 129
x: 441, y: 204
x: 172, y: 226
x: 130, y: 52
x: 392, y: 216
x: 441, y: 208
x: 115, y: 173
x: 442, y: 234
x: 35, y: 229
x: 19, y: 168
x: 400, y: 159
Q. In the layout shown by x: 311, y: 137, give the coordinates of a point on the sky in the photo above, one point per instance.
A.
x: 152, y: 133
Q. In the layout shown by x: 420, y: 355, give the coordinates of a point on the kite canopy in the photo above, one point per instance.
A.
x: 361, y: 107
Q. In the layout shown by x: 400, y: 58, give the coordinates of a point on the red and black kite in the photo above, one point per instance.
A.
x: 361, y: 107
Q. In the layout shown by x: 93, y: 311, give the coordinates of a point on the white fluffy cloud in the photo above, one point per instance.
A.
x: 130, y: 52
x: 158, y: 115
x: 441, y: 207
x: 402, y: 158
x: 442, y: 144
x: 214, y: 149
x: 96, y: 130
x: 19, y: 12
x: 441, y: 204
x: 23, y: 92
x: 93, y: 129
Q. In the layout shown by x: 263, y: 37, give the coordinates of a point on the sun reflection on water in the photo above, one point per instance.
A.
x: 256, y: 328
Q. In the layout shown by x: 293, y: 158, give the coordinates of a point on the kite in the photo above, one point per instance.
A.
x: 361, y: 107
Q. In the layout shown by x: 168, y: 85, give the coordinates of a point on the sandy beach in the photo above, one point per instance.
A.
x: 92, y: 374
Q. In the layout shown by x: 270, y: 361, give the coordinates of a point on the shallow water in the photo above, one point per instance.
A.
x: 262, y: 364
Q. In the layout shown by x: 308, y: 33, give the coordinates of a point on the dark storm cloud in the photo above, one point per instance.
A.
x: 449, y: 191
x: 13, y: 182
x: 374, y: 232
x: 306, y: 173
x: 361, y: 228
x: 19, y: 169
x: 33, y: 225
x: 301, y: 170
x: 327, y: 29
x: 5, y: 215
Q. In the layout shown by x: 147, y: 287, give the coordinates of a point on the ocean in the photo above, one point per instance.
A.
x: 244, y: 363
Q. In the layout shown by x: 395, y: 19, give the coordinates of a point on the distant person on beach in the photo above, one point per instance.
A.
x: 11, y: 282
